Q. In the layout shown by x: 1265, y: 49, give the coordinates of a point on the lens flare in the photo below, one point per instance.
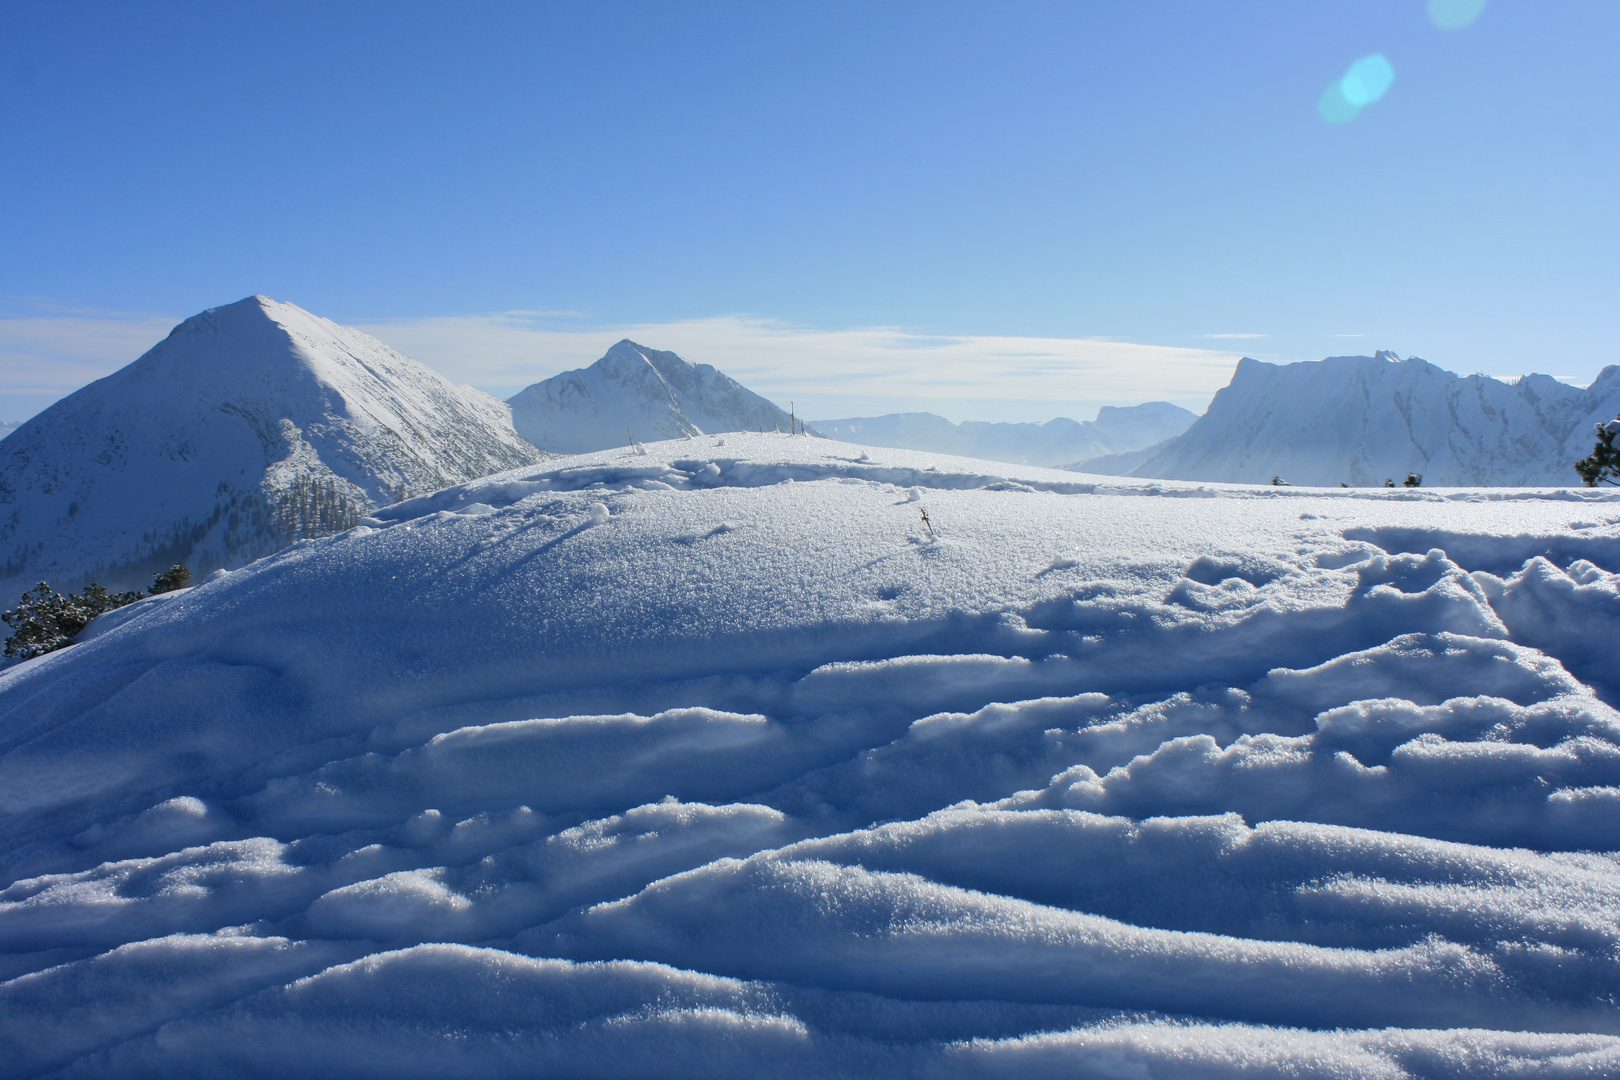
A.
x: 1367, y: 80
x: 1334, y: 108
x: 1454, y: 14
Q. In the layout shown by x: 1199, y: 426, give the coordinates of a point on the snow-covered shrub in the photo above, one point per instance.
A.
x: 175, y: 577
x: 45, y: 620
x: 1604, y: 464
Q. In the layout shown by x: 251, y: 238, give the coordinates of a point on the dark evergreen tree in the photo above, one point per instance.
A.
x: 1604, y: 464
x: 175, y: 577
x: 45, y: 621
x: 1413, y: 479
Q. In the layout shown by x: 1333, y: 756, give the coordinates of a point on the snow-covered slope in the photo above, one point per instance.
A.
x: 634, y: 391
x: 1362, y: 419
x: 716, y: 761
x: 1055, y: 442
x: 249, y: 426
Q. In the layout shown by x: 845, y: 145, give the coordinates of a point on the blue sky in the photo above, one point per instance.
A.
x: 494, y: 187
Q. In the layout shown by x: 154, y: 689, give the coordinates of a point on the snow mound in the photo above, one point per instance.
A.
x: 724, y: 760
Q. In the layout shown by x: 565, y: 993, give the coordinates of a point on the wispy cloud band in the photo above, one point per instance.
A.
x: 836, y: 372
x: 45, y: 355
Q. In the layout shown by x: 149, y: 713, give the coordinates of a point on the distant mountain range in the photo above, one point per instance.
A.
x: 257, y: 424
x: 1053, y: 443
x: 1360, y: 420
x: 641, y: 393
x: 7, y: 429
x: 250, y: 426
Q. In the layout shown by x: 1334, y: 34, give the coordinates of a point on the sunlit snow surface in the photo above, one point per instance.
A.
x: 717, y: 760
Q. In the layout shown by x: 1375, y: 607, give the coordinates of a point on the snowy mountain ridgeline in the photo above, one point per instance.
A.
x: 250, y: 426
x: 1359, y: 420
x: 1055, y: 442
x: 714, y: 760
x: 640, y: 392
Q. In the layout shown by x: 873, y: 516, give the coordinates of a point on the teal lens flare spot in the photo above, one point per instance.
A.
x: 1454, y: 14
x: 1367, y: 80
x: 1334, y: 108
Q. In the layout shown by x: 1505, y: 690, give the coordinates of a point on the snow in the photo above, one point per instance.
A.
x: 641, y: 394
x: 1056, y: 442
x: 710, y: 758
x: 249, y: 426
x: 1360, y: 420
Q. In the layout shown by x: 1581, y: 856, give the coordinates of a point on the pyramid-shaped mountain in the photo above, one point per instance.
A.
x: 634, y: 391
x: 249, y: 427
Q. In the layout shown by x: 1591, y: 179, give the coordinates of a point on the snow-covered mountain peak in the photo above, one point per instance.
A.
x: 1361, y: 420
x: 637, y: 392
x: 251, y: 425
x: 259, y: 346
x: 626, y: 353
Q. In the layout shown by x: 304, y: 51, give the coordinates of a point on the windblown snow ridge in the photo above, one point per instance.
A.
x: 718, y: 759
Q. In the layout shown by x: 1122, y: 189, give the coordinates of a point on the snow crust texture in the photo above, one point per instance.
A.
x: 1360, y: 420
x: 715, y: 759
x: 1056, y: 442
x: 250, y: 426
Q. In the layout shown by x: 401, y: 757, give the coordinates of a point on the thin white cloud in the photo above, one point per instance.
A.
x: 836, y: 372
x: 47, y: 354
x: 1235, y: 337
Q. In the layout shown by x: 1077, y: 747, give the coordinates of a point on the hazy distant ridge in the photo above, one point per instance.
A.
x: 1055, y: 442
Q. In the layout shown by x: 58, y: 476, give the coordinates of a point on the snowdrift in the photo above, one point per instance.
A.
x: 718, y: 759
